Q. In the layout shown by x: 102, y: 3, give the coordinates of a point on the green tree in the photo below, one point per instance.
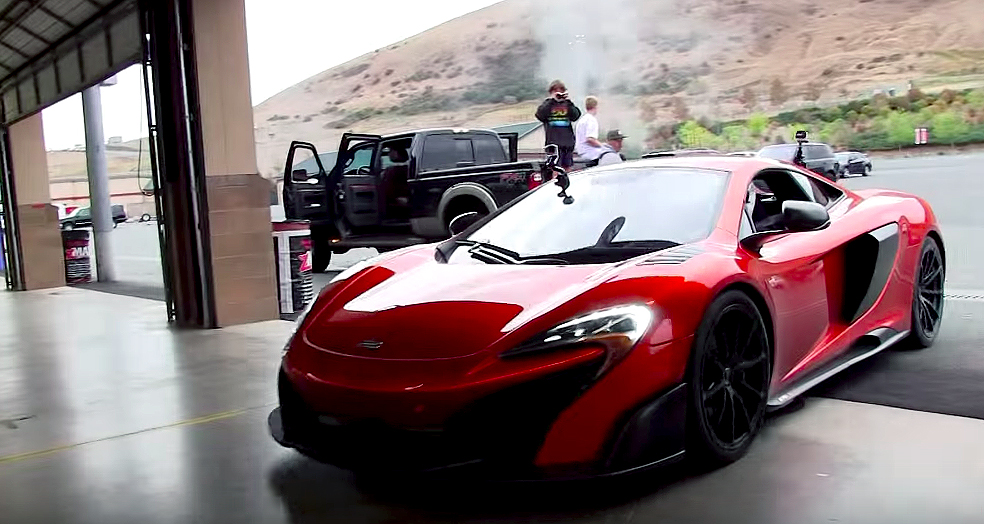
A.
x: 975, y: 98
x: 757, y: 124
x: 837, y: 133
x: 692, y: 134
x: 899, y: 127
x: 737, y: 137
x: 949, y: 127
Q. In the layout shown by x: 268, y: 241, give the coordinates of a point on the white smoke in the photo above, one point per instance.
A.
x: 603, y: 47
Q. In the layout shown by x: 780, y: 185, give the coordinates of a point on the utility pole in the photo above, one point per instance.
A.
x: 99, y: 203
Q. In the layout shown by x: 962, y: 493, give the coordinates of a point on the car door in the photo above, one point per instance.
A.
x: 306, y: 194
x: 443, y: 160
x: 797, y: 269
x: 358, y: 196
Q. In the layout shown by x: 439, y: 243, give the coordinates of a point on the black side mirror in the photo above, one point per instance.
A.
x: 463, y: 222
x: 299, y: 176
x: 798, y: 215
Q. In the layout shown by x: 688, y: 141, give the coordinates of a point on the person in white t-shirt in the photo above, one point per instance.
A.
x: 586, y: 143
x: 611, y: 151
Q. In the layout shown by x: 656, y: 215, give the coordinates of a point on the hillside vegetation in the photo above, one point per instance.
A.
x: 881, y: 122
x: 655, y: 63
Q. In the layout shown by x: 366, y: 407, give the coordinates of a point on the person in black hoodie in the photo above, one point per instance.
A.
x: 558, y: 115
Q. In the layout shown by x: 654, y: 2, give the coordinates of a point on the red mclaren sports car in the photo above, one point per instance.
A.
x: 646, y: 311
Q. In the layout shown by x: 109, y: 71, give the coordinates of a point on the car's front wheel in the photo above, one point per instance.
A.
x: 729, y: 377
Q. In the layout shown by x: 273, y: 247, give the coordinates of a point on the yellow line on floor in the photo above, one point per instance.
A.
x: 190, y: 422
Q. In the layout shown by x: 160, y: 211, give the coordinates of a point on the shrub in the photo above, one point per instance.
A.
x: 949, y: 128
x: 426, y: 102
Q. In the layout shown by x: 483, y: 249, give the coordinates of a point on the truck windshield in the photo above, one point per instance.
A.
x: 616, y: 214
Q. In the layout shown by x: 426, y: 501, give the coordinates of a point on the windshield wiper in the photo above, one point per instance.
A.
x: 613, y: 252
x: 490, y: 253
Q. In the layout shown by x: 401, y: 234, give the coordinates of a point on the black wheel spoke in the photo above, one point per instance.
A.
x: 724, y: 409
x: 744, y: 412
x: 759, y: 394
x: 748, y: 364
x: 734, y: 414
x: 930, y: 307
x: 931, y: 276
x: 719, y: 387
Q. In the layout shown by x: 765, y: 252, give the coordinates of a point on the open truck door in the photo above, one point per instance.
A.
x: 511, y: 142
x: 356, y: 176
x: 306, y: 192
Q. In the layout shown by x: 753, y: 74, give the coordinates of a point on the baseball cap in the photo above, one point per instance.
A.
x: 614, y: 134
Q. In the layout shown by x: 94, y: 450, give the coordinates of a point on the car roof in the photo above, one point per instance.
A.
x: 722, y: 162
x: 438, y: 130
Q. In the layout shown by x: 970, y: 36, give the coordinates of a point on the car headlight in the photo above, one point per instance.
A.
x: 618, y: 329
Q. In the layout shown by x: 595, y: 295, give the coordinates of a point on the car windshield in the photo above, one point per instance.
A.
x: 779, y: 152
x: 615, y: 215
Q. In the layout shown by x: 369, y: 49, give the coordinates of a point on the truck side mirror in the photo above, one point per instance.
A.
x: 299, y: 176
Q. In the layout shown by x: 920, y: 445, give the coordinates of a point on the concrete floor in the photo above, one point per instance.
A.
x: 109, y: 416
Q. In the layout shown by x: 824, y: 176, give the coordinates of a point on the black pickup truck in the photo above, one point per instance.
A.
x: 392, y: 191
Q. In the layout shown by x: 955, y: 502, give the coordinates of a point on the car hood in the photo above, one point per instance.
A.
x: 439, y: 311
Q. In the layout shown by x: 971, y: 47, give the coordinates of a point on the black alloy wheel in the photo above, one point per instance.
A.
x: 729, y: 374
x: 927, y: 300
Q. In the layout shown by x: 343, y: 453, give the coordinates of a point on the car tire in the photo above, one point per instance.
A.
x: 867, y: 171
x: 320, y: 256
x: 927, y: 296
x: 726, y: 381
x: 145, y: 217
x: 461, y: 206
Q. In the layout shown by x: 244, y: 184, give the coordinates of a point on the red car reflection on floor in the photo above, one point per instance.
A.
x: 658, y: 312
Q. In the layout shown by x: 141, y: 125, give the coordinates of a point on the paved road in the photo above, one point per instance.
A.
x: 138, y: 259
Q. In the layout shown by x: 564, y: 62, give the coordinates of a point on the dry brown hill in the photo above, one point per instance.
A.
x: 490, y: 67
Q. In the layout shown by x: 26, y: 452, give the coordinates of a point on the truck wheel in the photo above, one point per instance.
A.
x: 320, y: 257
x: 461, y: 205
x: 320, y: 248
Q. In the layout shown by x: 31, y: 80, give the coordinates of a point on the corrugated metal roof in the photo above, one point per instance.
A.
x: 522, y: 129
x: 51, y: 48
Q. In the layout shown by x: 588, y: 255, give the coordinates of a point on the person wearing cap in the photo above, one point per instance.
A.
x: 612, y: 148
